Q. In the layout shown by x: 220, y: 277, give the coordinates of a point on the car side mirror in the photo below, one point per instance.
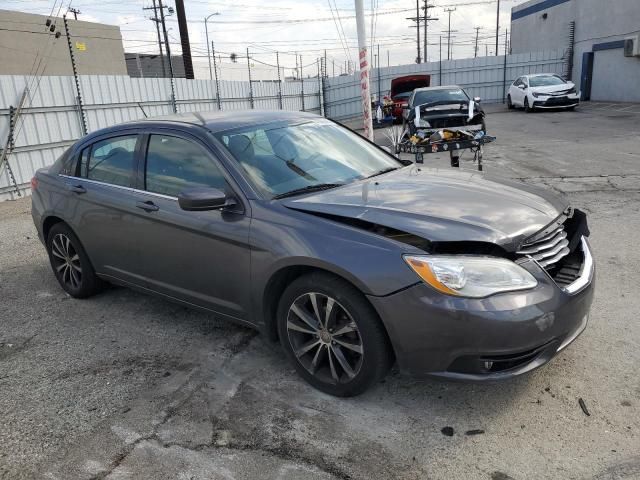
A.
x: 521, y: 87
x: 477, y: 99
x: 203, y: 198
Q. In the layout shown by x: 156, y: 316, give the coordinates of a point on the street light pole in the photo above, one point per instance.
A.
x: 206, y: 32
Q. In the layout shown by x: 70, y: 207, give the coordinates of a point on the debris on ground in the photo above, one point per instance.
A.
x: 448, y: 431
x: 474, y: 432
x: 583, y: 406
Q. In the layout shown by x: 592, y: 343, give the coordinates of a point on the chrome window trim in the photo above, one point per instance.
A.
x: 128, y: 189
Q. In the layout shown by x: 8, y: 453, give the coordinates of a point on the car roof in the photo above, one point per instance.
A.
x: 214, y: 120
x: 442, y: 87
x: 541, y: 75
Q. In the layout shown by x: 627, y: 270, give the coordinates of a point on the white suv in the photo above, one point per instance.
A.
x: 543, y: 90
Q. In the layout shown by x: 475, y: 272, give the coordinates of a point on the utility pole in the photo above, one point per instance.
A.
x: 184, y: 39
x: 168, y: 50
x: 156, y: 20
x: 387, y: 58
x: 475, y: 51
x: 497, y: 26
x: 486, y: 50
x: 365, y: 95
x: 417, y: 20
x: 426, y: 20
x: 449, y: 10
x: 75, y: 12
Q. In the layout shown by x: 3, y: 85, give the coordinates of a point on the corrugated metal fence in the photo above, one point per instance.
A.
x: 481, y: 77
x: 50, y: 119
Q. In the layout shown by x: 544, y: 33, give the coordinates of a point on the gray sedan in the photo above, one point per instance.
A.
x: 294, y: 225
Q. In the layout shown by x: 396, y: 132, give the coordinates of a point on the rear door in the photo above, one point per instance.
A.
x: 198, y: 257
x: 102, y: 204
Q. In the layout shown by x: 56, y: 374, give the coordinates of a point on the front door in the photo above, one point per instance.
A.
x: 198, y: 257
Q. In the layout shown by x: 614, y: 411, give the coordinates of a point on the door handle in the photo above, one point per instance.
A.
x: 76, y: 189
x: 148, y: 206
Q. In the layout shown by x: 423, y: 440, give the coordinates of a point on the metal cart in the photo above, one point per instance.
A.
x: 451, y: 146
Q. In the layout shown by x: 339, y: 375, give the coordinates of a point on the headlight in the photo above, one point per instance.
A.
x: 572, y: 91
x: 536, y: 94
x: 470, y: 276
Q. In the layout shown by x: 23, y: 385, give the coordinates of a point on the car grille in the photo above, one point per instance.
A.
x: 548, y: 249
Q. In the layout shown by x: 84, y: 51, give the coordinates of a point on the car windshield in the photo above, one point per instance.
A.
x: 283, y: 158
x: 456, y: 95
x: 545, y: 81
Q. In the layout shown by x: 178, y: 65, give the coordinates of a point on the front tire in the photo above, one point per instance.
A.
x: 70, y: 263
x: 510, y: 104
x: 527, y: 108
x: 332, y: 335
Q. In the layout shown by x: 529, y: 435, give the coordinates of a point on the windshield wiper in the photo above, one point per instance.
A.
x: 384, y: 170
x: 309, y: 188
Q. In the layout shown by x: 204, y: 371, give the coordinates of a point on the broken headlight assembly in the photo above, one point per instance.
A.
x: 470, y: 276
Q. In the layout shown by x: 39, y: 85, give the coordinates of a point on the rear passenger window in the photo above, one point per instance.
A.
x: 110, y: 161
x: 175, y: 164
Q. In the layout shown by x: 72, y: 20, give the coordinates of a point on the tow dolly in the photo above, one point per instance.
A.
x: 474, y: 144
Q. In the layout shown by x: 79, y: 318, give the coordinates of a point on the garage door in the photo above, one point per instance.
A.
x: 615, y: 77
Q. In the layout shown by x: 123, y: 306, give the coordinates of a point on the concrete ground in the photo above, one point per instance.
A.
x: 127, y: 386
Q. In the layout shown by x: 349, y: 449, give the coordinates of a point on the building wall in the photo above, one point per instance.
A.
x: 532, y: 33
x: 598, y: 24
x: 26, y: 41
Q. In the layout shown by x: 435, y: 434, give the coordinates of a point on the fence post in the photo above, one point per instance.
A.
x: 320, y: 88
x: 279, y: 81
x: 83, y: 118
x: 250, y: 84
x: 215, y: 69
x: 504, y: 68
x: 440, y: 74
x: 301, y: 84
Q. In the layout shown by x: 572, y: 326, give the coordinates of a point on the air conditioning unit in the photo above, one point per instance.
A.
x: 632, y: 46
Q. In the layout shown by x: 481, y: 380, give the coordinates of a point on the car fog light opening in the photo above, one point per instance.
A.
x: 470, y: 276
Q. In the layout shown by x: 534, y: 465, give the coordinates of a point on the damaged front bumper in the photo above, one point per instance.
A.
x: 486, y: 339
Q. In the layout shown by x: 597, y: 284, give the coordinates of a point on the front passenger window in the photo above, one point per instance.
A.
x: 175, y: 164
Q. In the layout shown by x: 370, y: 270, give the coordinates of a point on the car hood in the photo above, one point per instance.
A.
x: 553, y: 88
x: 442, y: 205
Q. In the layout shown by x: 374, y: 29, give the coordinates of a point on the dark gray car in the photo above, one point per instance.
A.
x: 296, y: 226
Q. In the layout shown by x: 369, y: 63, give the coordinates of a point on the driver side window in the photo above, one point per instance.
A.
x: 174, y: 164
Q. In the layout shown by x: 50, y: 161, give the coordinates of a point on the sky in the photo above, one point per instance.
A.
x: 300, y: 31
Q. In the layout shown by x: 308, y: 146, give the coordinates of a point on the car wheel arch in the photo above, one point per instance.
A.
x: 48, y: 224
x: 278, y: 282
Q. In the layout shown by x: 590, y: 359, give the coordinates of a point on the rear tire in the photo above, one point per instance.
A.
x: 70, y: 263
x: 332, y: 335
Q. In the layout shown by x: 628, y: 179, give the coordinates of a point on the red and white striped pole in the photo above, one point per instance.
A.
x: 364, y: 70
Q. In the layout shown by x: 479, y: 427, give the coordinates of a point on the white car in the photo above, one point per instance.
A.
x: 543, y: 90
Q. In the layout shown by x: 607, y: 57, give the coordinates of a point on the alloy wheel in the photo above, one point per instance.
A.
x: 324, y: 338
x: 66, y: 261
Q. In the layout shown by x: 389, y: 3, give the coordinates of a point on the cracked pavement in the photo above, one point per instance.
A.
x: 127, y: 386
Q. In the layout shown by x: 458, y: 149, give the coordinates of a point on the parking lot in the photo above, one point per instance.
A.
x: 124, y: 386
